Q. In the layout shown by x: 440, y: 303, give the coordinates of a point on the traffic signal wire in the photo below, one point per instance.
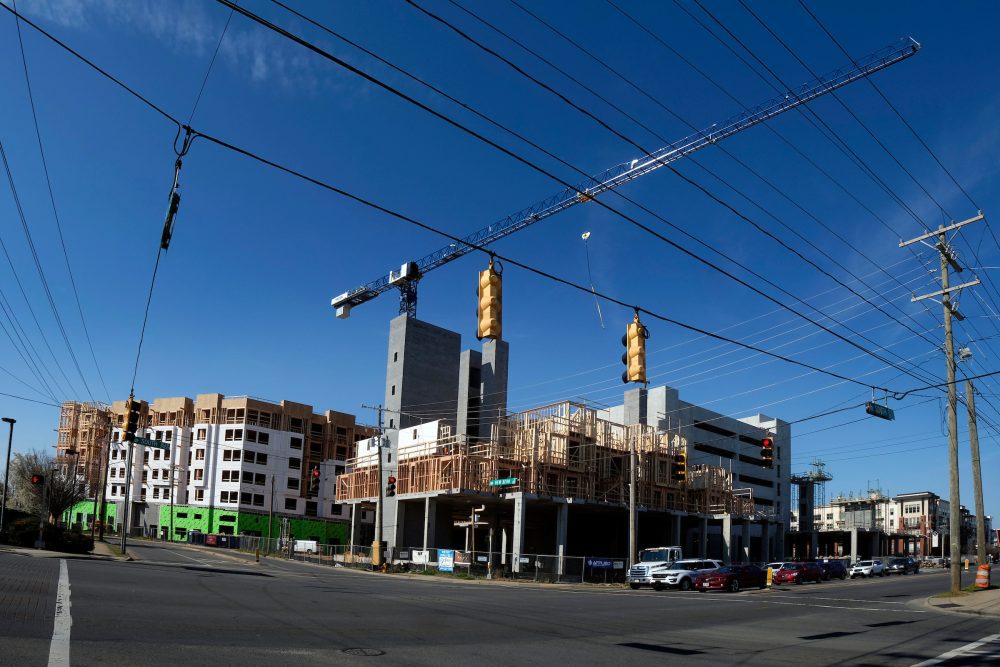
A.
x: 52, y: 200
x: 539, y: 272
x: 396, y: 92
x: 479, y: 136
x: 603, y: 124
x: 712, y: 173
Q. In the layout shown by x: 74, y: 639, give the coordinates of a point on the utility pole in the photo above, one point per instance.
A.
x: 948, y: 258
x: 6, y: 473
x: 377, y: 544
x: 270, y: 518
x: 102, y: 477
x: 977, y: 475
x: 173, y: 469
x: 631, y: 501
x: 128, y: 492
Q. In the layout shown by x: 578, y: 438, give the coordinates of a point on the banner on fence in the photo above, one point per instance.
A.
x: 600, y: 563
x: 446, y: 560
x: 420, y: 556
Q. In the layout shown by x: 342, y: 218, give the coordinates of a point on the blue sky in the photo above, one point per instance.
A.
x: 241, y: 304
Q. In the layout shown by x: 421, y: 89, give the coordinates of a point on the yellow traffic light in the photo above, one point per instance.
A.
x: 489, y: 304
x: 678, y: 469
x: 635, y: 352
x: 132, y: 410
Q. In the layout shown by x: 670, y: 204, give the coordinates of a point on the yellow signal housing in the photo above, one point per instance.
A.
x: 678, y: 472
x: 635, y: 352
x: 489, y: 304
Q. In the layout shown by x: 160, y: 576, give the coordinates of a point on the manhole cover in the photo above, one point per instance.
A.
x: 364, y: 652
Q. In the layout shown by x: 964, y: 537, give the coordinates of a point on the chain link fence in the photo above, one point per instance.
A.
x: 523, y: 567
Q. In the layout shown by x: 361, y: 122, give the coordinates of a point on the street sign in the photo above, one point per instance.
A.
x: 880, y: 411
x: 146, y: 442
x: 507, y: 481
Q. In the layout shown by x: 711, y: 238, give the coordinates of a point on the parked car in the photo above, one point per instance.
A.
x: 901, y: 565
x: 833, y: 568
x: 731, y: 578
x: 798, y: 573
x: 773, y: 566
x: 868, y: 568
x: 682, y: 573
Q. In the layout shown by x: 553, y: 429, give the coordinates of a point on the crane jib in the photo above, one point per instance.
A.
x: 628, y: 171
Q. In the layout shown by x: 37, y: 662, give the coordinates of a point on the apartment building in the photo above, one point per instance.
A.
x: 83, y: 440
x: 226, y: 456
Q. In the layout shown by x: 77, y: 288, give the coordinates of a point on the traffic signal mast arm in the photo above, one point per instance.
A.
x: 411, y: 272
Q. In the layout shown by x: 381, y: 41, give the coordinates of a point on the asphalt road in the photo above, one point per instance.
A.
x: 184, y: 606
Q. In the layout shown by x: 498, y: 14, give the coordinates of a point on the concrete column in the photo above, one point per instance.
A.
x: 779, y: 542
x: 675, y: 540
x: 854, y: 545
x: 354, y: 518
x: 562, y: 521
x: 430, y: 512
x: 703, y: 539
x: 727, y: 539
x: 765, y: 541
x: 519, y: 516
x: 745, y: 556
x: 813, y: 543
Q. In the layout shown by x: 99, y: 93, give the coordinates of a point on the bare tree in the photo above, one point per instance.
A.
x: 60, y: 491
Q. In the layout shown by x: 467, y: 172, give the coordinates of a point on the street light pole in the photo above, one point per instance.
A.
x: 10, y: 440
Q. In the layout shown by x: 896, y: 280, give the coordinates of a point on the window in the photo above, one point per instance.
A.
x: 395, y: 357
x: 251, y: 436
x: 166, y: 494
x: 291, y: 504
x: 156, y: 492
x: 156, y: 475
x: 245, y: 498
x: 311, y: 508
x: 233, y: 434
x: 169, y: 435
x: 263, y: 438
x: 393, y: 390
x: 247, y: 477
x: 197, y: 516
x: 258, y: 499
x: 294, y: 463
x: 261, y: 459
x: 145, y: 456
x: 296, y: 443
x: 293, y: 483
x: 156, y: 455
x: 199, y: 495
x: 202, y: 434
x: 260, y: 479
x: 199, y: 474
x: 295, y: 424
x: 182, y: 515
x: 248, y: 456
x: 228, y: 455
x: 199, y: 455
x: 228, y: 518
x: 227, y: 475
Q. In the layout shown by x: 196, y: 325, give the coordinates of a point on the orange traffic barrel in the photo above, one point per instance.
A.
x: 983, y: 576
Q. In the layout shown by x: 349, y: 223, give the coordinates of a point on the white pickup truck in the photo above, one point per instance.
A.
x: 650, y: 561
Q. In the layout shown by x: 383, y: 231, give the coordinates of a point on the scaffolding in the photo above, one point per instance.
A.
x: 83, y: 437
x: 559, y: 450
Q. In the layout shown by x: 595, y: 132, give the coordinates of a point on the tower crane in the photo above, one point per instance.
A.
x: 409, y: 274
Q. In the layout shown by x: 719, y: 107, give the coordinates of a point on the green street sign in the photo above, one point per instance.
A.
x: 507, y: 481
x: 880, y: 411
x: 146, y: 442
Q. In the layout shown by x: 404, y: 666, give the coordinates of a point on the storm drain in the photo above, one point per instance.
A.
x: 363, y: 652
x: 949, y: 604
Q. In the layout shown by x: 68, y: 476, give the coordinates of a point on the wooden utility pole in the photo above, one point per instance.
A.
x: 631, y: 501
x: 948, y: 259
x: 977, y: 475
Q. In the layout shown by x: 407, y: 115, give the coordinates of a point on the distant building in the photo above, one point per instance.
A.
x: 230, y: 459
x: 82, y: 443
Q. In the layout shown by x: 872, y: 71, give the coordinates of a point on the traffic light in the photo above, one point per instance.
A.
x: 314, y: 479
x: 489, y: 304
x: 37, y: 480
x: 132, y: 410
x: 678, y: 468
x: 634, y: 358
x: 390, y: 487
x: 767, y: 452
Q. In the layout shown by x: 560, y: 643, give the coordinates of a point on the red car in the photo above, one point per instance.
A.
x: 797, y: 573
x: 731, y: 578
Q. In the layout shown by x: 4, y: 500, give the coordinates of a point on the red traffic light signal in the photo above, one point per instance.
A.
x: 390, y: 487
x: 37, y: 480
x: 315, y: 472
x: 767, y: 452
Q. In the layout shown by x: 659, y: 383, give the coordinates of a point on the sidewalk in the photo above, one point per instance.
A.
x: 980, y: 603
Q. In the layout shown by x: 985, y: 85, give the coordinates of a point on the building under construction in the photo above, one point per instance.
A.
x: 84, y: 438
x: 555, y: 480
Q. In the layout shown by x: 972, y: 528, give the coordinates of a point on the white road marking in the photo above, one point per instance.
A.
x: 59, y: 648
x: 811, y: 597
x: 969, y: 650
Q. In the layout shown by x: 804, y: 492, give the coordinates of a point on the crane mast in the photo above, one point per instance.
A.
x: 411, y: 272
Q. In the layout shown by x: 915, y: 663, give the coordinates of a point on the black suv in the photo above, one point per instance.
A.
x: 900, y: 565
x: 833, y: 569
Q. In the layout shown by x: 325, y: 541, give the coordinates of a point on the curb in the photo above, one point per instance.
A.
x: 965, y: 611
